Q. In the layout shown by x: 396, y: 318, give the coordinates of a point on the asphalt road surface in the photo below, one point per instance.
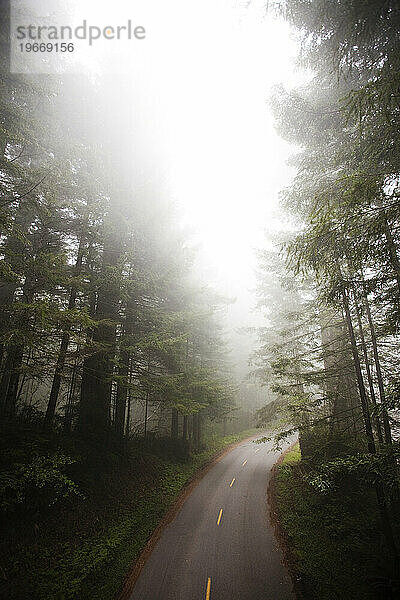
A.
x: 221, y: 545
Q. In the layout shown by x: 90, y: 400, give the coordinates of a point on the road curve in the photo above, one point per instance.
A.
x: 221, y: 545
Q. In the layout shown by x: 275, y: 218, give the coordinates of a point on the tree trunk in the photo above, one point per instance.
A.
x: 368, y: 369
x: 128, y: 410
x: 62, y: 354
x: 197, y: 430
x: 122, y: 395
x: 379, y: 489
x: 124, y: 371
x: 146, y: 410
x: 13, y: 248
x: 9, y: 379
x: 190, y: 426
x: 128, y: 417
x: 185, y: 428
x: 174, y: 423
x: 13, y: 362
x: 358, y: 371
x: 386, y: 424
x: 98, y: 367
x: 339, y: 381
x: 395, y: 491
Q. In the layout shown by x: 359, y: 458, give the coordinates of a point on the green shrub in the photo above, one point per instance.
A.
x: 37, y: 485
x: 339, y: 528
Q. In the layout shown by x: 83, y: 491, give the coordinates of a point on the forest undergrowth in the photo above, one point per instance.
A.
x: 76, y: 516
x: 335, y: 545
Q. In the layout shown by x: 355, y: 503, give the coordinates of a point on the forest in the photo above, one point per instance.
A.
x: 118, y: 382
x: 332, y: 290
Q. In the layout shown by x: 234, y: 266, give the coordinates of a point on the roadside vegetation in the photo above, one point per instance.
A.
x: 334, y: 544
x: 75, y: 518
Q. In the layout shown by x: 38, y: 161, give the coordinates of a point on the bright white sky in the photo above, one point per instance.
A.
x: 200, y: 84
x: 203, y: 78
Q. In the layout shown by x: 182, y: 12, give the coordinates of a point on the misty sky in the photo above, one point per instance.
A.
x: 212, y: 81
x: 196, y: 91
x: 200, y: 85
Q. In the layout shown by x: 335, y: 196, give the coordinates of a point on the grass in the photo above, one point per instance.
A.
x: 84, y: 550
x: 336, y: 548
x: 292, y: 456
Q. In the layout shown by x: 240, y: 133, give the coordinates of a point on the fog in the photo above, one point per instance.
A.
x: 196, y: 92
x: 199, y: 269
x: 182, y: 117
x: 189, y: 103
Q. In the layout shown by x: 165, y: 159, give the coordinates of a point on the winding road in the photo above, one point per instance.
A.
x: 221, y: 545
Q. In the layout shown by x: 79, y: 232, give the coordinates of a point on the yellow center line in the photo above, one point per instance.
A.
x: 219, y: 517
x: 208, y: 591
x: 232, y: 482
x: 244, y: 463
